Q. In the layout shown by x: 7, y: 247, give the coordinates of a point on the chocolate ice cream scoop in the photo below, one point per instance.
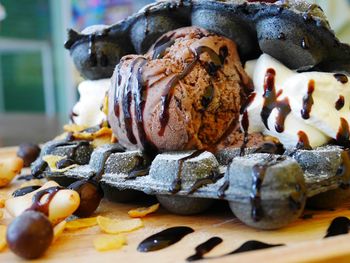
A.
x: 185, y: 93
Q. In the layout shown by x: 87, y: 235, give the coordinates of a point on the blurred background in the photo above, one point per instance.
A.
x: 37, y: 79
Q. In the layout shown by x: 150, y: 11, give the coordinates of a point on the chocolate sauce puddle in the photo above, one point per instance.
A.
x: 252, y: 245
x: 164, y: 238
x: 338, y: 226
x: 176, y: 184
x: 204, y: 248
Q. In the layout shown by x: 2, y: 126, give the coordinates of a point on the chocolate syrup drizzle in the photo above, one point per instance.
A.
x: 176, y: 184
x: 162, y: 44
x: 271, y: 102
x: 205, y: 248
x: 97, y: 176
x: 44, y: 207
x: 342, y: 78
x: 303, y: 142
x: 344, y: 170
x: 42, y: 165
x: 164, y: 238
x: 217, y: 61
x: 258, y: 174
x: 245, y: 121
x: 223, y: 188
x: 25, y: 190
x: 127, y: 99
x: 343, y: 132
x: 308, y: 100
x: 340, y: 103
x: 134, y: 90
x: 211, y: 179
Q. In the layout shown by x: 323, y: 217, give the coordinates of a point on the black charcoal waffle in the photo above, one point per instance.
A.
x: 263, y: 190
x: 295, y: 33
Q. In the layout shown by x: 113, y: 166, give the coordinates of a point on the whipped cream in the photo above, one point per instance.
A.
x: 87, y: 112
x: 300, y: 109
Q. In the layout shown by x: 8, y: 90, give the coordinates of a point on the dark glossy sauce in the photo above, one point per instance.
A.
x: 342, y: 78
x: 339, y: 226
x: 245, y: 121
x: 271, y: 102
x: 269, y: 96
x: 177, y: 183
x: 28, y: 177
x: 344, y: 170
x: 164, y: 238
x: 258, y: 174
x: 44, y: 207
x: 100, y: 171
x: 340, y: 103
x: 343, y: 132
x: 25, y: 190
x: 217, y: 61
x: 223, y: 188
x: 204, y: 248
x: 116, y: 92
x: 127, y: 100
x: 140, y: 96
x: 135, y: 90
x: 161, y: 45
x: 308, y: 100
x: 252, y: 245
x: 211, y: 179
x: 271, y: 148
x: 303, y: 142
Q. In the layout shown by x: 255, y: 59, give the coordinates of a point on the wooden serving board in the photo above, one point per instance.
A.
x: 303, y: 239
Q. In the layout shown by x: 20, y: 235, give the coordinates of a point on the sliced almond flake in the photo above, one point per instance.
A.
x: 115, y: 226
x: 81, y: 223
x: 104, y: 243
x: 143, y: 211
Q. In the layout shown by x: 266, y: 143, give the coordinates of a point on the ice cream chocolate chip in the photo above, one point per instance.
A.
x: 185, y: 93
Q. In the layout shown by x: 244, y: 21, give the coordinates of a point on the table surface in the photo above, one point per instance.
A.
x: 303, y: 239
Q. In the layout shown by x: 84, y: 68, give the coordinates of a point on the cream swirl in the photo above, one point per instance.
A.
x: 301, y: 109
x: 87, y: 111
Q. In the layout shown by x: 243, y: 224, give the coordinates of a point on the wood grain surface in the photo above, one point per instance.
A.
x: 303, y: 239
